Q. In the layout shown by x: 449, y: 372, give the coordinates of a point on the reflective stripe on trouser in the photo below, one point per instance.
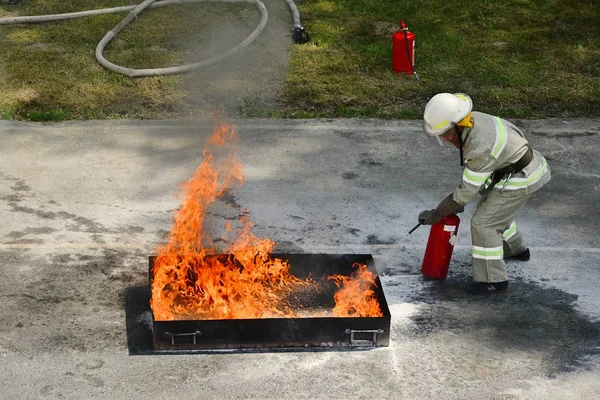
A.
x: 494, y: 218
x: 513, y: 242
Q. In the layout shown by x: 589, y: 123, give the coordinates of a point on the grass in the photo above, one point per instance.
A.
x: 517, y: 58
x: 49, y: 72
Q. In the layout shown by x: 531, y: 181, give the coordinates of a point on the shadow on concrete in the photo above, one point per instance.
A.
x: 138, y: 320
x: 529, y: 317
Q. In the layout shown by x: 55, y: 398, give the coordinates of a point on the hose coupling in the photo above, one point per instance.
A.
x: 300, y: 35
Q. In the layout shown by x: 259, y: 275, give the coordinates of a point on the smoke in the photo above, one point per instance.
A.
x: 252, y: 78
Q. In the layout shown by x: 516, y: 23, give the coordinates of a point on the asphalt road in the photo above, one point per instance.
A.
x: 83, y: 205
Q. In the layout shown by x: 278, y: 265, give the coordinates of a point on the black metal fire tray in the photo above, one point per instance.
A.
x: 315, y: 333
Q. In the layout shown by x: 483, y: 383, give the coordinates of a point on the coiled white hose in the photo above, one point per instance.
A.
x: 134, y: 11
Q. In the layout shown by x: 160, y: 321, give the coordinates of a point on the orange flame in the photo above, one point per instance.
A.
x: 356, y: 297
x: 191, y: 282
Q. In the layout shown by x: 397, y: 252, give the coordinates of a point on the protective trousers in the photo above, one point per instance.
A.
x: 495, y: 235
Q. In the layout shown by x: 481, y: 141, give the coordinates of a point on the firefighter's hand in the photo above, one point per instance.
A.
x: 449, y: 206
x: 429, y: 217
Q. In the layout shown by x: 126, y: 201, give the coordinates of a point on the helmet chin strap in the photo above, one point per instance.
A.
x: 459, y: 133
x: 460, y: 145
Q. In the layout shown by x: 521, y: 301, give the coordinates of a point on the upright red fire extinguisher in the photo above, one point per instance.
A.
x: 403, y: 51
x: 440, y: 245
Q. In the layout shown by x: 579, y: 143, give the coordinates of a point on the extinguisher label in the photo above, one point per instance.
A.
x: 453, y: 239
x: 449, y: 228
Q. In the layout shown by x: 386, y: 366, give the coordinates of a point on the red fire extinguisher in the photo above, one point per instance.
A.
x: 403, y: 51
x: 442, y: 238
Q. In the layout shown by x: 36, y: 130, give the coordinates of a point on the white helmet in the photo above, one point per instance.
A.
x: 444, y: 110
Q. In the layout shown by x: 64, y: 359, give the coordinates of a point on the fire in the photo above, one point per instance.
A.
x: 356, y: 297
x: 191, y: 282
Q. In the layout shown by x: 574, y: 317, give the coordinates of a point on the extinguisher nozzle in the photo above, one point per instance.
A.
x: 413, y: 229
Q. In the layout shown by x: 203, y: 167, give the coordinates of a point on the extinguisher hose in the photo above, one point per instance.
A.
x: 414, y: 229
x: 410, y: 60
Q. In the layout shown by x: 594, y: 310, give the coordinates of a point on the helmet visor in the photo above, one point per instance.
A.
x: 435, y: 140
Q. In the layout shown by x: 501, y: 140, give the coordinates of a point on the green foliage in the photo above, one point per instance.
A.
x: 48, y: 115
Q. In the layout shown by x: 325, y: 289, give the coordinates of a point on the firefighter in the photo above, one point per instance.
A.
x: 500, y: 165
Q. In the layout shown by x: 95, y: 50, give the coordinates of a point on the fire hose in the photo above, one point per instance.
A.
x: 299, y: 33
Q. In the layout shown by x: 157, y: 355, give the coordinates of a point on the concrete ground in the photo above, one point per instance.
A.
x: 83, y: 204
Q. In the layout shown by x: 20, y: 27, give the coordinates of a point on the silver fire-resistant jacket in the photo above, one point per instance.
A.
x: 491, y: 144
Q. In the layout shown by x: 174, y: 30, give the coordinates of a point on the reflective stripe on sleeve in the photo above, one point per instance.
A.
x: 475, y: 178
x: 510, y: 232
x: 488, y: 253
x: 500, y: 142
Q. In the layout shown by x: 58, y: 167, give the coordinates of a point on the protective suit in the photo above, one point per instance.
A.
x: 490, y: 145
x: 500, y: 165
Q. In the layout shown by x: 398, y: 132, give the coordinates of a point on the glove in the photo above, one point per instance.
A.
x: 449, y: 206
x: 429, y: 217
x: 446, y: 207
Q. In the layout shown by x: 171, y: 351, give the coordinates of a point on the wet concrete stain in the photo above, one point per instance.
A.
x: 77, y: 223
x: 134, y: 229
x: 12, y: 198
x: 55, y: 302
x: 353, y: 231
x: 225, y: 217
x: 569, y: 135
x: 228, y: 198
x: 373, y: 239
x: 110, y: 261
x: 25, y: 241
x: 11, y: 256
x: 28, y: 210
x: 357, y: 137
x: 286, y: 246
x: 83, y: 278
x: 8, y: 177
x: 405, y: 269
x: 349, y: 175
x: 20, y: 185
x: 528, y: 317
x: 30, y: 231
x: 82, y: 224
x: 368, y: 161
x: 62, y: 258
x: 96, y: 238
x: 83, y: 257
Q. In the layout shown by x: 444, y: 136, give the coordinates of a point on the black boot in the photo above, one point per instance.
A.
x: 522, y: 256
x: 488, y: 287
